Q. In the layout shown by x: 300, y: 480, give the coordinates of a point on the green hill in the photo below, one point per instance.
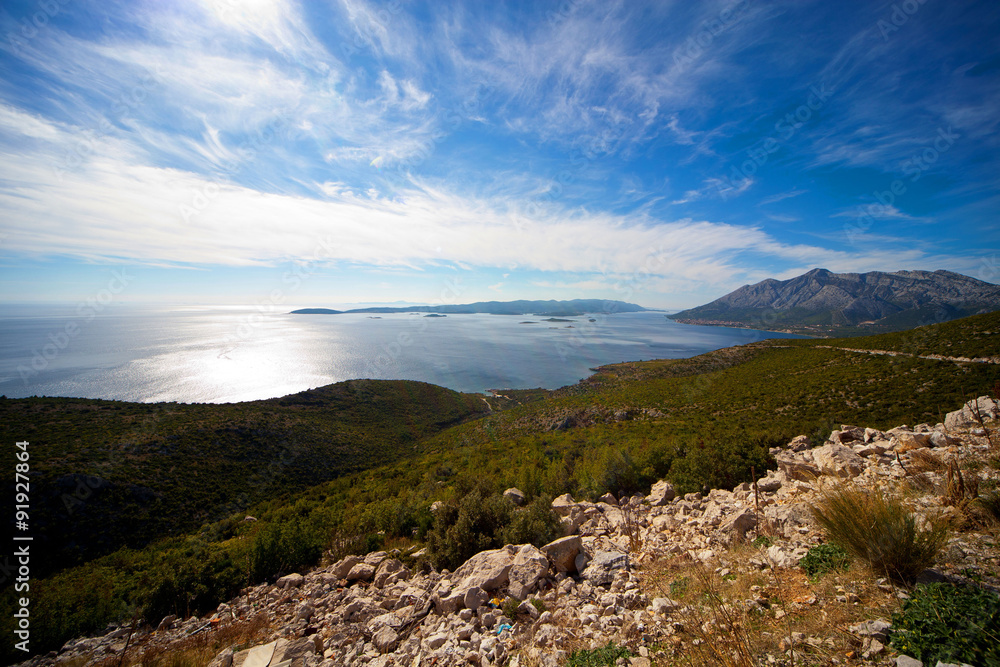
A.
x: 700, y: 422
x: 109, y: 474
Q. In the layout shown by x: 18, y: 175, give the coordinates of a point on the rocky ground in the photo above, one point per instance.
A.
x: 674, y: 579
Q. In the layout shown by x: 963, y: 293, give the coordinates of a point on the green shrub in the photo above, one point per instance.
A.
x: 824, y: 558
x: 762, y: 541
x: 535, y: 524
x: 948, y: 623
x: 509, y: 608
x: 481, y: 521
x: 880, y: 530
x: 598, y: 657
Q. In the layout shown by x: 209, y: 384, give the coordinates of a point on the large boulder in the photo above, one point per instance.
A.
x: 797, y: 465
x: 488, y: 569
x: 661, y: 493
x: 529, y: 567
x: 290, y: 581
x: 385, y: 640
x: 736, y: 526
x: 564, y: 505
x: 982, y: 409
x: 516, y: 496
x: 601, y: 569
x: 838, y: 460
x: 562, y: 553
x: 361, y: 572
x: 799, y: 443
x: 389, y: 571
x: 343, y: 567
x: 295, y: 650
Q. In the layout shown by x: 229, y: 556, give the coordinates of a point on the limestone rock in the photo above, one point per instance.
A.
x: 385, y: 640
x: 564, y: 505
x: 661, y: 493
x: 361, y: 572
x: 983, y: 409
x: 798, y: 465
x: 488, y: 569
x: 528, y: 568
x: 562, y: 553
x: 799, y: 443
x: 294, y: 650
x: 516, y: 496
x: 738, y: 524
x: 838, y: 460
x: 343, y: 567
x: 475, y: 598
x: 601, y: 569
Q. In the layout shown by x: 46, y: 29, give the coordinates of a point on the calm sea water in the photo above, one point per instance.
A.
x: 218, y: 355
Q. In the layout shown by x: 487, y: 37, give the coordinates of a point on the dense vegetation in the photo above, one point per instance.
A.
x: 389, y: 450
x: 109, y: 474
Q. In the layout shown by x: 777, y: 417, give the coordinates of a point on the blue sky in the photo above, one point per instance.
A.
x: 334, y: 152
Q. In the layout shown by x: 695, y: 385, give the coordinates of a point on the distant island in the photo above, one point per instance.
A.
x: 823, y: 303
x: 550, y: 308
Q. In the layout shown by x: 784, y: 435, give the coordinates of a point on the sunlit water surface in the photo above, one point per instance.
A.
x: 218, y: 355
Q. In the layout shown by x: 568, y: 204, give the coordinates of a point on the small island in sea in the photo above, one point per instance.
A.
x: 548, y: 308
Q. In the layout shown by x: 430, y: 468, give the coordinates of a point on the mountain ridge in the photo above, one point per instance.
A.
x: 823, y: 302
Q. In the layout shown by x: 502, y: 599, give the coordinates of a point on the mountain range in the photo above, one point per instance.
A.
x: 823, y: 302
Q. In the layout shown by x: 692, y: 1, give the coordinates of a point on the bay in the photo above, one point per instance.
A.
x: 237, y: 353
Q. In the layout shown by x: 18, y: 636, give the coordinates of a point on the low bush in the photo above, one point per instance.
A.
x: 823, y: 558
x: 481, y: 520
x: 878, y: 528
x: 948, y: 623
x: 605, y: 656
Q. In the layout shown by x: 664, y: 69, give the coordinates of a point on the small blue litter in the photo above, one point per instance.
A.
x: 503, y: 627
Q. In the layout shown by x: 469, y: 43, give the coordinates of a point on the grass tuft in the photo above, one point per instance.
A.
x: 879, y: 529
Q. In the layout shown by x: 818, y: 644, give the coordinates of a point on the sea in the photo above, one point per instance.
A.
x: 215, y: 354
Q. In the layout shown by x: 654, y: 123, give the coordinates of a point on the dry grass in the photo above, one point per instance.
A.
x: 195, y: 651
x: 924, y: 460
x: 798, y: 621
x: 879, y: 529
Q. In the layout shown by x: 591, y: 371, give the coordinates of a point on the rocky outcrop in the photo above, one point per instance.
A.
x: 582, y: 590
x: 974, y: 413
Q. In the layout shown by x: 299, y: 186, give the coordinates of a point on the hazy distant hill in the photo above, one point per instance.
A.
x: 824, y: 302
x: 522, y: 307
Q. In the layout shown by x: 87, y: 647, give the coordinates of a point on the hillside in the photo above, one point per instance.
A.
x: 824, y: 303
x: 700, y: 423
x: 522, y: 307
x: 742, y: 576
x: 111, y: 474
